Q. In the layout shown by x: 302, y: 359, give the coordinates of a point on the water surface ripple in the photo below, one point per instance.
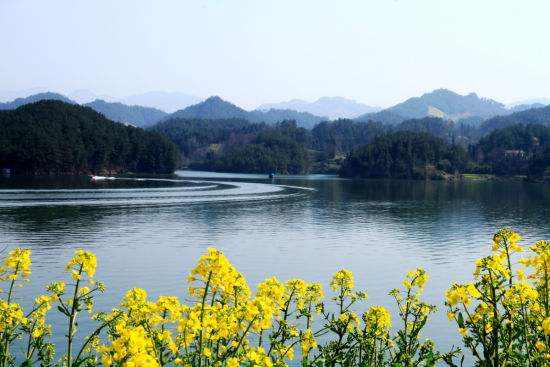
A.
x: 150, y: 232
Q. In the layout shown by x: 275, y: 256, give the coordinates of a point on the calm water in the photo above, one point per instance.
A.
x: 149, y: 233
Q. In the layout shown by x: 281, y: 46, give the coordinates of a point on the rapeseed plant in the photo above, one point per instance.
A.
x: 503, y: 316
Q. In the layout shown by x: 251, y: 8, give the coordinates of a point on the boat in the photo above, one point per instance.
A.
x: 99, y: 178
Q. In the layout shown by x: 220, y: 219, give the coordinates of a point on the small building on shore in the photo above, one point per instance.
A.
x: 519, y: 154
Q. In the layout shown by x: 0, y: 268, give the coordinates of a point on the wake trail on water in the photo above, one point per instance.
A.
x: 190, y: 191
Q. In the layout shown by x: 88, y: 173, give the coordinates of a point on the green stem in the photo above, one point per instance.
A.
x: 202, y: 316
x: 94, y: 334
x: 72, y: 319
x: 7, y: 335
x: 527, y: 345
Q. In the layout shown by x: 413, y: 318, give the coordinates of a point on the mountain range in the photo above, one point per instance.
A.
x: 136, y: 110
x: 215, y: 108
x: 331, y: 107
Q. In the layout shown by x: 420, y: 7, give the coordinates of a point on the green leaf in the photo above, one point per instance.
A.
x: 62, y: 310
x: 460, y: 320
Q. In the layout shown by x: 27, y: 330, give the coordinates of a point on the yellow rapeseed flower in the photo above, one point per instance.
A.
x: 16, y: 266
x: 307, y: 341
x: 343, y: 279
x: 82, y: 262
x: 378, y: 319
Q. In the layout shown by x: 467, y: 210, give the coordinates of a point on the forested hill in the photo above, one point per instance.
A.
x: 57, y: 137
x: 521, y: 149
x: 237, y: 145
x: 197, y: 138
x: 280, y: 148
x: 516, y: 149
x: 405, y: 154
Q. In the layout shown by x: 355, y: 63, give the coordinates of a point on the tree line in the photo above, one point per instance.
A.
x: 56, y: 137
x: 417, y: 148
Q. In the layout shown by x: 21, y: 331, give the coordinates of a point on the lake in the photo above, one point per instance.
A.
x: 149, y: 233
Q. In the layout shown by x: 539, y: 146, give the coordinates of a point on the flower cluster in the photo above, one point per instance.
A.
x: 501, y: 315
x: 83, y: 262
x: 14, y: 322
x: 17, y: 266
x: 225, y: 324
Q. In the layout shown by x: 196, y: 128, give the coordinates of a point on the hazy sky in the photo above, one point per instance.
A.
x: 249, y: 52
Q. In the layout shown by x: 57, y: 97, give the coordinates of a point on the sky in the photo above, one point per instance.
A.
x: 378, y: 52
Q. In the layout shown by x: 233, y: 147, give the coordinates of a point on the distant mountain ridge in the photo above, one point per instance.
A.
x: 34, y: 98
x: 441, y: 103
x: 531, y: 101
x: 164, y: 101
x: 332, y: 107
x: 526, y: 106
x: 540, y: 116
x: 215, y: 108
x: 135, y: 115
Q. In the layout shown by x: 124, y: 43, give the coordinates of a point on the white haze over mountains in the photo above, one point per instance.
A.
x: 530, y: 101
x: 165, y: 101
x: 10, y: 95
x: 331, y: 107
x: 85, y: 96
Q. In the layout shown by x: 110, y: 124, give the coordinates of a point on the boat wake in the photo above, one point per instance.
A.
x: 176, y: 192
